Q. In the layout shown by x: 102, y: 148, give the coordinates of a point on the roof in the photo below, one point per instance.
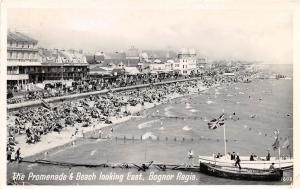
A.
x: 90, y: 59
x: 19, y: 37
x: 98, y: 68
x: 115, y: 55
x: 132, y: 52
x: 60, y: 56
x: 161, y: 54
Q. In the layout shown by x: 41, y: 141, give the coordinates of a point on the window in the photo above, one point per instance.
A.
x: 20, y: 55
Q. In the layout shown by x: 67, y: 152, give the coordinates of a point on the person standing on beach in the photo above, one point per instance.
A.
x: 268, y: 156
x: 100, y: 133
x: 233, y: 156
x: 9, y: 152
x: 190, y: 157
x: 18, y: 155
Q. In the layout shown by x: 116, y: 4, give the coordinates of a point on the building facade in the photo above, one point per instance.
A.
x: 132, y: 56
x: 61, y: 65
x: 22, y: 55
x: 186, y: 63
x: 27, y: 64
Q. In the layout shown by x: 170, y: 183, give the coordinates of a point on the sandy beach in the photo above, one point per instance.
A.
x: 66, y: 135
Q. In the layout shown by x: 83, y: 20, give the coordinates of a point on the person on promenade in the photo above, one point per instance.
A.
x: 237, y: 161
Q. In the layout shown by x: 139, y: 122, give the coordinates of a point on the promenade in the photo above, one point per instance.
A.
x: 34, y: 103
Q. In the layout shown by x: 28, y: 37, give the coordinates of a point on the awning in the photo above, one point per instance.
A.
x: 17, y: 77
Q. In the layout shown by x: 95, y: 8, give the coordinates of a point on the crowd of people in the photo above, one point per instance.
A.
x: 209, y: 77
x: 38, y: 121
x: 61, y: 88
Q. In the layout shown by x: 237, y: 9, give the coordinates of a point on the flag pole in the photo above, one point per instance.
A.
x: 225, y: 140
x: 224, y: 128
x: 279, y: 157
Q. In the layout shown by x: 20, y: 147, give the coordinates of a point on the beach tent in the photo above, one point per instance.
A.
x: 132, y: 71
x: 153, y: 72
x: 228, y: 74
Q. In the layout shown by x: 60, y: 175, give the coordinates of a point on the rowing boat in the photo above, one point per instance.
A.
x: 241, y: 174
x: 246, y: 163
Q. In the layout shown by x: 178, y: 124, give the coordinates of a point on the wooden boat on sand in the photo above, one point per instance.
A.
x: 241, y: 174
x: 246, y: 163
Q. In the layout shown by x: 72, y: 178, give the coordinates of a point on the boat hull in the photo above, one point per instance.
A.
x: 241, y: 174
x: 246, y: 163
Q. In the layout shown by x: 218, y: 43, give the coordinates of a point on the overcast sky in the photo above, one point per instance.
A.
x: 218, y: 34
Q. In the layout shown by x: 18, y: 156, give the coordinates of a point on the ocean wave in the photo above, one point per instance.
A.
x: 147, y: 124
x: 210, y: 102
x: 161, y: 129
x: 149, y: 135
x: 187, y: 106
x: 168, y: 108
x: 186, y: 128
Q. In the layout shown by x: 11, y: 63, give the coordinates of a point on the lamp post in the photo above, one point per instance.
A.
x: 62, y: 71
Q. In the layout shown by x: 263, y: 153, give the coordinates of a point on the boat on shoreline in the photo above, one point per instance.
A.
x: 241, y: 174
x: 246, y: 163
x: 228, y: 172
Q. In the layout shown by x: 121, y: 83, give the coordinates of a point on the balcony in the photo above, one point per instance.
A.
x: 22, y: 49
x: 22, y: 62
x: 17, y: 77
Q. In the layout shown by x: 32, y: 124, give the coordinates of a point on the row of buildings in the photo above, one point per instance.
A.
x: 27, y: 63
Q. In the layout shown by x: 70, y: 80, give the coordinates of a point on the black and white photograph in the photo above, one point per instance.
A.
x: 150, y: 93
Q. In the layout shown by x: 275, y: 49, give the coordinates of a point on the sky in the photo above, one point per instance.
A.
x: 259, y: 35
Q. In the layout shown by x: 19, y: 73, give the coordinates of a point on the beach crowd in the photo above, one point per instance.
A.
x: 35, y: 122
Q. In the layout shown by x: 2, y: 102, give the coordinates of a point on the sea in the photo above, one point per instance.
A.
x: 168, y: 131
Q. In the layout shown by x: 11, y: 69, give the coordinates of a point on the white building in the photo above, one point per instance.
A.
x: 22, y: 53
x: 157, y: 66
x: 169, y: 65
x: 186, y: 62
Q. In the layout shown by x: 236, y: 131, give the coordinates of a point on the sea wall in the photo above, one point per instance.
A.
x: 13, y: 107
